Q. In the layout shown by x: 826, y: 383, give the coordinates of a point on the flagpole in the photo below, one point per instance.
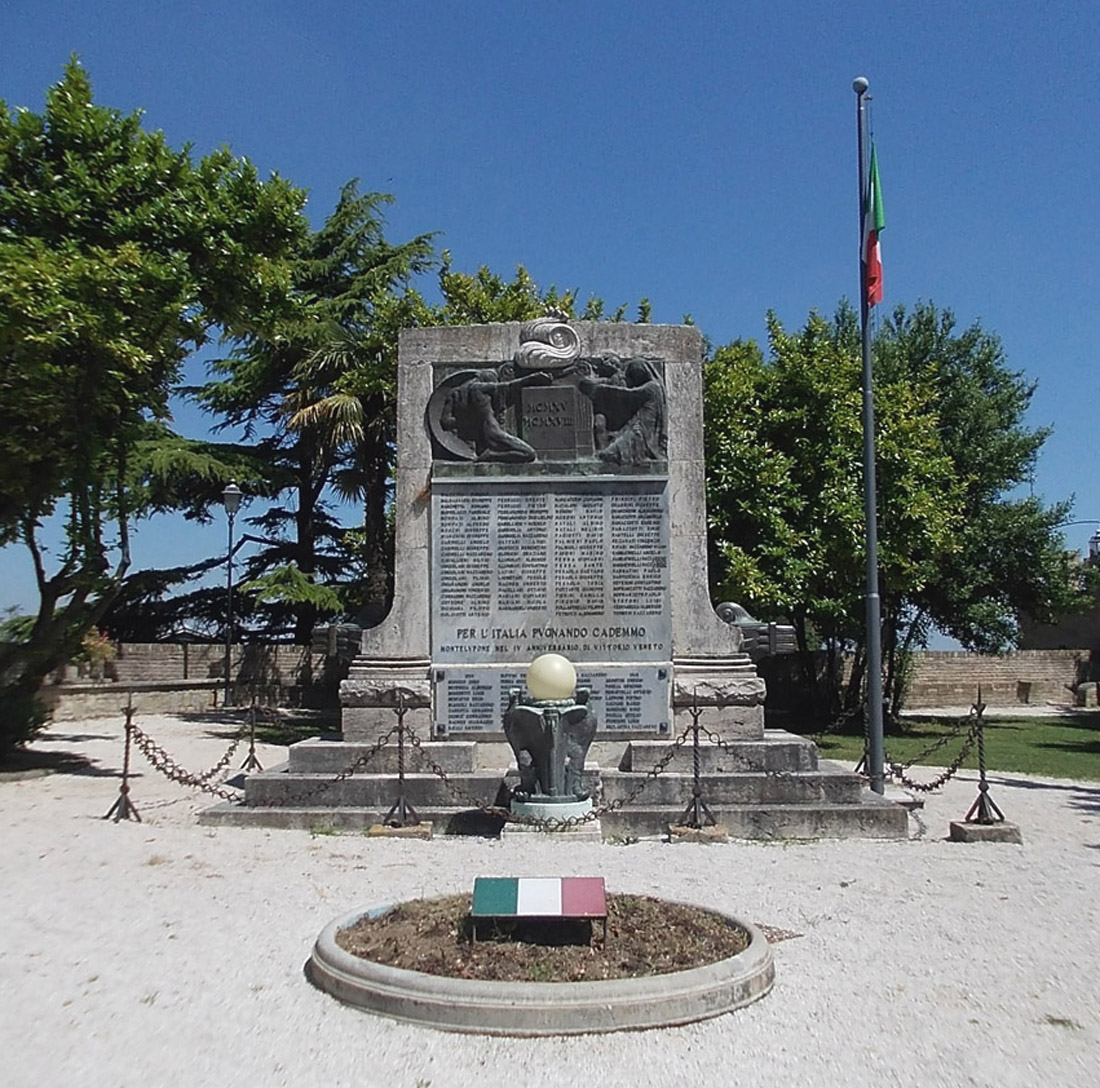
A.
x: 875, y: 746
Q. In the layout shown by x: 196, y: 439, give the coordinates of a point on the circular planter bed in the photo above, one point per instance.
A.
x: 489, y: 1005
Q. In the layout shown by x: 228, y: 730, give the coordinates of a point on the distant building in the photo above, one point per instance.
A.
x: 1080, y: 631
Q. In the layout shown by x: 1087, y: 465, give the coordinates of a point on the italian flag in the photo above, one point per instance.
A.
x: 873, y: 222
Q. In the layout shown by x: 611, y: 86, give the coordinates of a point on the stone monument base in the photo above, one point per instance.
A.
x: 376, y: 686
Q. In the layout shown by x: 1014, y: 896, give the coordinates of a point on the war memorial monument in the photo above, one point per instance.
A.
x: 549, y: 500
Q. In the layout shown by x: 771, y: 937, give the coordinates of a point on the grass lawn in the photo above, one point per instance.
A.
x: 1066, y: 746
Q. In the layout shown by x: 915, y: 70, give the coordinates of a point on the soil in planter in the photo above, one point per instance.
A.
x: 645, y: 936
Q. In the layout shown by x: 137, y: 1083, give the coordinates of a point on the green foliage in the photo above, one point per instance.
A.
x: 118, y: 256
x: 315, y: 390
x: 15, y: 627
x: 96, y: 648
x: 23, y: 717
x: 784, y: 488
x: 317, y: 393
x: 1010, y: 560
x: 288, y: 584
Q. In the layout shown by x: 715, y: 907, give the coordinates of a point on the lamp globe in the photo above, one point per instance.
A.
x: 551, y: 676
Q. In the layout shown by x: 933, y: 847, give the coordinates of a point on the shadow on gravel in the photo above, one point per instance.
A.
x: 33, y: 759
x: 280, y: 726
x: 216, y: 717
x: 1089, y: 801
x: 1083, y: 799
x: 78, y: 738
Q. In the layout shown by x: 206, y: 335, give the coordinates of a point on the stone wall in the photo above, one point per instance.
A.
x: 952, y: 677
x: 176, y: 677
x: 279, y: 664
x: 180, y: 677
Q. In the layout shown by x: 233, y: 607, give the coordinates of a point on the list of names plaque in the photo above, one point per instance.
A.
x: 623, y: 698
x: 573, y: 566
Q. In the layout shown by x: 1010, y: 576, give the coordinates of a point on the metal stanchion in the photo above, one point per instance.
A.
x: 984, y: 810
x: 985, y: 822
x: 402, y: 813
x: 251, y: 762
x: 123, y: 808
x: 696, y: 815
x: 697, y: 824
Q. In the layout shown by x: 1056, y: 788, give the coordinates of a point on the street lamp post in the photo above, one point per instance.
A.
x: 231, y: 497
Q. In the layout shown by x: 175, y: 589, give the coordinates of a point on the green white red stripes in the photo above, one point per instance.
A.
x: 547, y: 897
x: 874, y: 220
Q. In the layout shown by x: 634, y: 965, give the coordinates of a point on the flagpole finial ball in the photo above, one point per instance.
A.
x: 860, y: 85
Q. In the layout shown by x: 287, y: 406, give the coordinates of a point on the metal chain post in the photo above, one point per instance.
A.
x: 123, y: 808
x: 697, y: 814
x: 984, y: 810
x: 251, y: 762
x: 402, y: 813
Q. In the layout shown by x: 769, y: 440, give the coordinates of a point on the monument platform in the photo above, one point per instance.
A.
x: 774, y: 787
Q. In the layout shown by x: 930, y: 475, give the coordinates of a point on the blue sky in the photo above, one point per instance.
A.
x: 699, y: 154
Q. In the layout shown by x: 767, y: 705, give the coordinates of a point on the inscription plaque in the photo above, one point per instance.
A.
x: 521, y: 568
x: 556, y: 422
x: 623, y: 697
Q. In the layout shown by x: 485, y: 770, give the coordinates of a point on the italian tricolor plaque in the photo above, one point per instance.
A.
x: 542, y: 896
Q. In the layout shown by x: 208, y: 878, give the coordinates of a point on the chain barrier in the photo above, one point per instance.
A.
x: 896, y: 770
x: 163, y: 763
x: 921, y: 758
x: 744, y: 762
x: 940, y: 742
x: 834, y: 726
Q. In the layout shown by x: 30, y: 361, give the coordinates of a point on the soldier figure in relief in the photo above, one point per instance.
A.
x: 470, y: 413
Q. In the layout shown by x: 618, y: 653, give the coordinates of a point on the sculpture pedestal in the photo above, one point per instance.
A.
x: 540, y: 807
x: 554, y: 808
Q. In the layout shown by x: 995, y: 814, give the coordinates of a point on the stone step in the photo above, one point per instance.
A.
x: 445, y: 820
x: 367, y: 790
x: 331, y: 757
x: 778, y: 751
x: 868, y: 818
x: 803, y: 787
x: 278, y: 787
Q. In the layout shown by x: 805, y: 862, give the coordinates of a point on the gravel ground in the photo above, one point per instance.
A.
x: 164, y: 953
